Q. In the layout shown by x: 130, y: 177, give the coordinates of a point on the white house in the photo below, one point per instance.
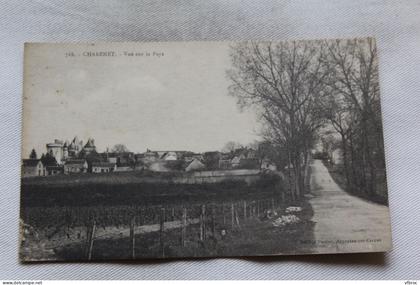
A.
x: 103, y: 167
x: 195, y: 165
x: 170, y: 155
x: 267, y: 164
x: 33, y: 167
x: 337, y: 157
x: 75, y: 166
x: 235, y: 161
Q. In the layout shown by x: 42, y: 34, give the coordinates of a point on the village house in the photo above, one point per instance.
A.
x: 123, y: 169
x: 251, y: 153
x: 75, y: 166
x: 211, y: 159
x: 103, y: 167
x: 121, y: 159
x: 198, y: 156
x: 337, y: 157
x: 148, y: 156
x: 170, y: 155
x: 195, y: 165
x: 188, y: 156
x: 32, y: 168
x: 225, y: 160
x: 249, y: 163
x: 112, y: 159
x: 235, y: 161
x: 242, y: 158
x: 267, y: 164
x: 54, y: 169
x: 125, y: 159
x: 225, y: 164
x: 139, y: 165
x: 50, y: 164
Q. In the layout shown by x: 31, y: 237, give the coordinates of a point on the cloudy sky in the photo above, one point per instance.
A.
x: 175, y: 101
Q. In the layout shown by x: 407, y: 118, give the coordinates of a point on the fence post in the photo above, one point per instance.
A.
x: 232, y: 210
x: 133, y: 238
x: 244, y: 210
x: 184, y: 226
x: 223, y: 213
x: 237, y: 217
x: 251, y: 209
x: 91, y: 240
x: 272, y: 204
x: 203, y: 223
x: 258, y: 208
x: 213, y: 221
x: 161, y: 232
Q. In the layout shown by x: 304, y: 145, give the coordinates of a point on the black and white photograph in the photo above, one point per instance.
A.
x: 202, y: 149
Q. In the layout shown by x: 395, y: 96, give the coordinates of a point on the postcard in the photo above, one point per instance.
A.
x: 202, y: 149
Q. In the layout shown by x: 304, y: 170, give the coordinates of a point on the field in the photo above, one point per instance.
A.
x: 151, y: 220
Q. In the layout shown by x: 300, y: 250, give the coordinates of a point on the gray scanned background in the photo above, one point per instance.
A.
x: 395, y: 24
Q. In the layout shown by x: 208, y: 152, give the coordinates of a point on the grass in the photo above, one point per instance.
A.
x: 254, y: 236
x: 59, y: 212
x: 87, y: 193
x: 74, y: 179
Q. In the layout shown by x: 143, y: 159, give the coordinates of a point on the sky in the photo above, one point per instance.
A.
x: 169, y: 96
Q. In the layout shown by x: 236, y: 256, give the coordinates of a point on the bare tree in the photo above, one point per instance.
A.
x: 340, y: 115
x: 355, y: 111
x: 284, y: 82
x: 231, y: 146
x: 119, y: 148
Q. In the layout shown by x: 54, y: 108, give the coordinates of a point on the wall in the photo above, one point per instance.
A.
x: 216, y: 176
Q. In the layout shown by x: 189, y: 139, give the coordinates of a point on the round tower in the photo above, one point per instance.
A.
x: 56, y: 149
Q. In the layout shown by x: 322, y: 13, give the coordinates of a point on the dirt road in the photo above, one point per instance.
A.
x: 345, y: 223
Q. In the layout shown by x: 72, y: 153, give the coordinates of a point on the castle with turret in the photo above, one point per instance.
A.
x: 64, y: 150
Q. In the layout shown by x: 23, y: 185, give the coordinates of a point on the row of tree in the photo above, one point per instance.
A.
x: 304, y: 89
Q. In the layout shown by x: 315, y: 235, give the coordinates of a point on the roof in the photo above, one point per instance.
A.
x: 163, y: 152
x: 90, y: 143
x: 103, y: 164
x: 236, y: 159
x: 49, y: 167
x: 245, y: 160
x: 74, y: 161
x: 227, y: 155
x: 195, y: 161
x: 194, y: 165
x: 77, y: 162
x: 30, y: 162
x: 169, y: 153
x: 72, y: 145
x: 118, y: 154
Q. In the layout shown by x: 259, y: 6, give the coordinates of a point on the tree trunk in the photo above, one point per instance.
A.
x: 345, y: 160
x: 368, y: 157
